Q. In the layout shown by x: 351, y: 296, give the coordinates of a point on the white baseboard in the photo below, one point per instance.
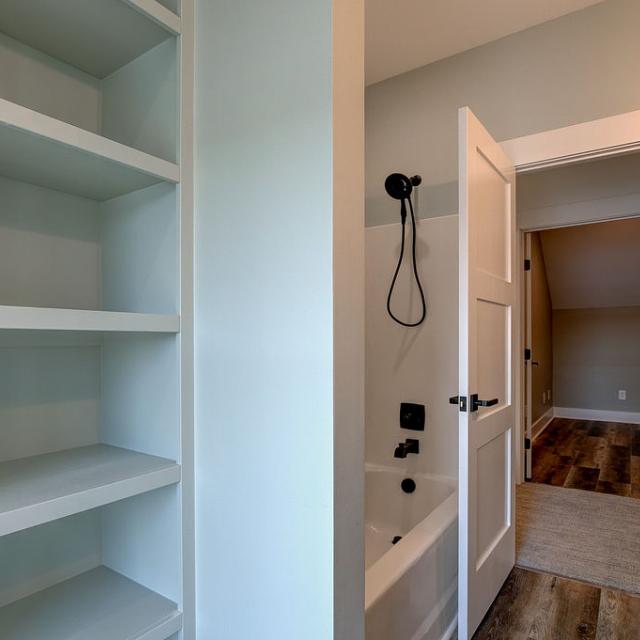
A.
x: 629, y: 417
x: 541, y: 423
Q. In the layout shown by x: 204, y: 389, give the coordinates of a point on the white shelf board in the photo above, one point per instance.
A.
x: 38, y: 149
x: 47, y: 487
x: 45, y: 319
x: 96, y: 36
x: 97, y: 605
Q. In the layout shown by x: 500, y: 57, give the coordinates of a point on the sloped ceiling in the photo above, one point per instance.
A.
x: 594, y: 265
x: 406, y: 34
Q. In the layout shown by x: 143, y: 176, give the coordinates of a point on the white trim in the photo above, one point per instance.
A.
x: 588, y: 212
x: 158, y: 13
x: 186, y: 337
x: 613, y: 136
x: 544, y: 420
x: 606, y: 137
x: 629, y: 417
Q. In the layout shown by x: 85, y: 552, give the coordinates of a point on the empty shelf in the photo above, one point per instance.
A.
x: 45, y: 319
x: 43, y: 488
x: 97, y: 605
x: 96, y: 36
x: 41, y: 150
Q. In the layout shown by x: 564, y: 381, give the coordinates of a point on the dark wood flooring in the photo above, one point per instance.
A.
x: 595, y: 456
x: 539, y: 606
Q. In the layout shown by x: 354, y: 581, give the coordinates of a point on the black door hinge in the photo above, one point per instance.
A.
x: 527, y: 443
x: 461, y: 401
x: 527, y: 265
x: 527, y: 354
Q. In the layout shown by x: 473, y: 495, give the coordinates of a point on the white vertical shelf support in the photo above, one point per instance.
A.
x: 186, y: 206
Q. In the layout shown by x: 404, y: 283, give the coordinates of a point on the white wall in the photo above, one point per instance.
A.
x: 271, y: 295
x: 413, y: 365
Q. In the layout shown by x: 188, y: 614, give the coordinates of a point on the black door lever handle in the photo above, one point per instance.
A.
x: 475, y: 403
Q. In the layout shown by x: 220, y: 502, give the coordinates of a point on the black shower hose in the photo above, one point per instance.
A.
x: 415, y: 271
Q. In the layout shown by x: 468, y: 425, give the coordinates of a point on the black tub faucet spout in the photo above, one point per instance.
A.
x: 409, y: 446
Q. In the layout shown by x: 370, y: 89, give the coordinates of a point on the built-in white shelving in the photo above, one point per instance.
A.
x: 96, y: 320
x: 96, y: 36
x: 42, y: 319
x: 41, y: 150
x: 43, y: 488
x: 97, y: 605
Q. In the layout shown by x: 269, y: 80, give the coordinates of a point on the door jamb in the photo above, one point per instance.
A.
x: 604, y: 138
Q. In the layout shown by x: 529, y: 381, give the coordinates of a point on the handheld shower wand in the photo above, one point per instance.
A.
x: 400, y: 187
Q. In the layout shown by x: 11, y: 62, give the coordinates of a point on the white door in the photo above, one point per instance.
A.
x: 487, y: 297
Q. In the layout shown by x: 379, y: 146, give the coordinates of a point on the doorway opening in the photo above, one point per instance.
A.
x: 583, y: 357
x: 581, y: 395
x: 581, y: 325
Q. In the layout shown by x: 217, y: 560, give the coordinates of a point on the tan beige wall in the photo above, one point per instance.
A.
x: 596, y: 353
x: 541, y: 345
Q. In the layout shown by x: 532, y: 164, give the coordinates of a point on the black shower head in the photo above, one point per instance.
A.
x: 398, y: 186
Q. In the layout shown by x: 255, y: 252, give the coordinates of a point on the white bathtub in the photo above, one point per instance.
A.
x: 410, y: 587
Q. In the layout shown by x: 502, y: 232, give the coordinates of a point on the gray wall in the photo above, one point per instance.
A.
x: 597, y: 352
x: 270, y: 404
x: 574, y: 69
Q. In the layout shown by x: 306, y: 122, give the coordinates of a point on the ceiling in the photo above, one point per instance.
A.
x: 593, y: 265
x: 406, y: 34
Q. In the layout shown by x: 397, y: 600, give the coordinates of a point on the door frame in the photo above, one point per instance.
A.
x: 598, y: 139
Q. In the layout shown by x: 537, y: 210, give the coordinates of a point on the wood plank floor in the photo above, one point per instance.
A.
x: 539, y: 606
x: 594, y: 456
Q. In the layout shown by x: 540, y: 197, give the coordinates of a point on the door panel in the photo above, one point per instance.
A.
x: 487, y: 298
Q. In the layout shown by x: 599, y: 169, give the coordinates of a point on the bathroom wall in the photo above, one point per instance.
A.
x: 541, y: 343
x: 413, y: 365
x: 279, y: 273
x: 577, y: 68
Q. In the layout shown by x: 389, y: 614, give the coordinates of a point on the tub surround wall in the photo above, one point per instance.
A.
x: 413, y: 365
